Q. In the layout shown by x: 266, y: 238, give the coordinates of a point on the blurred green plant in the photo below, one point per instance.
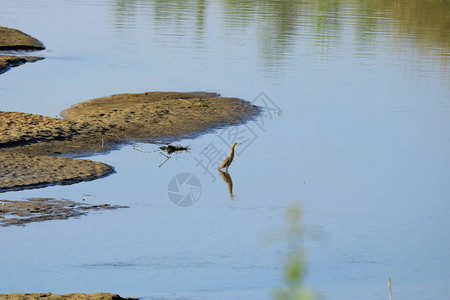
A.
x: 295, y: 266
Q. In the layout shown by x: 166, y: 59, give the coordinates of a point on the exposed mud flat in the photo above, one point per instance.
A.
x: 31, y: 145
x: 74, y: 296
x: 22, y: 212
x: 18, y: 128
x: 146, y: 116
x: 13, y: 39
x: 99, y: 125
x: 19, y: 171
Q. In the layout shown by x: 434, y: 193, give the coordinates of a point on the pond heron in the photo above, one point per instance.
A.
x: 227, y: 162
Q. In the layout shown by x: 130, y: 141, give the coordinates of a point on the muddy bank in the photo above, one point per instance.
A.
x: 74, y: 296
x: 15, y: 40
x: 19, y: 171
x: 22, y: 212
x: 29, y: 143
x: 102, y: 124
x: 155, y: 115
x: 18, y: 128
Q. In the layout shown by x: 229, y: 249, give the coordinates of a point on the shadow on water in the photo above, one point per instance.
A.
x: 278, y: 24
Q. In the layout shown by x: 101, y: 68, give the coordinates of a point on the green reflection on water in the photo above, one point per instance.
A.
x: 421, y: 24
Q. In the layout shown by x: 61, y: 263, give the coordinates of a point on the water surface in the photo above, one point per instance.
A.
x: 361, y: 143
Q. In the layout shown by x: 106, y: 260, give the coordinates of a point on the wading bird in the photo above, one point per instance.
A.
x: 227, y: 162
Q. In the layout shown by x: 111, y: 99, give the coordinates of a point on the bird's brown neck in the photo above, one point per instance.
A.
x: 231, y: 151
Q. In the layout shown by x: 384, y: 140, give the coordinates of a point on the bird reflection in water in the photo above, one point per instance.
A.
x: 227, y: 178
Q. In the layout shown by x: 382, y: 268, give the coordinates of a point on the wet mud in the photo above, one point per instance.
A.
x: 22, y: 212
x: 13, y: 39
x: 19, y: 171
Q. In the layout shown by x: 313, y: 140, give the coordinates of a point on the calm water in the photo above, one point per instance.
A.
x: 362, y: 145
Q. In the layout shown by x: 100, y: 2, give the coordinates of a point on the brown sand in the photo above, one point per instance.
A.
x: 13, y: 39
x: 20, y: 171
x: 141, y: 117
